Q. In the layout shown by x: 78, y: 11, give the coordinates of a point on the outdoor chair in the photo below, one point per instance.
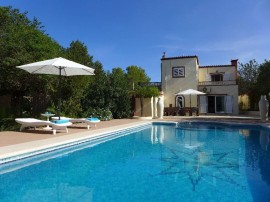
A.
x: 31, y: 122
x: 87, y: 121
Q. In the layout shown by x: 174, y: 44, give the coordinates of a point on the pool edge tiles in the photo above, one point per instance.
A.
x: 29, y: 149
x: 228, y: 123
x: 165, y: 122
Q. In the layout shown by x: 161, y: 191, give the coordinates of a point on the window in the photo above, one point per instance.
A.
x: 217, y: 77
x: 178, y: 72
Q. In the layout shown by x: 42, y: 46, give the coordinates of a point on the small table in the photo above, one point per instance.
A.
x: 48, y: 119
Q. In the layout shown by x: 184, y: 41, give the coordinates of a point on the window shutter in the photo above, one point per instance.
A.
x: 229, y: 104
x: 207, y: 77
x: 203, y: 104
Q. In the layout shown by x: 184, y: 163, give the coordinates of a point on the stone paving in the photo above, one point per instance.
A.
x: 16, y: 137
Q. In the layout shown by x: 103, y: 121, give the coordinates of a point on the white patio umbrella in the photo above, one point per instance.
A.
x: 190, y: 92
x: 58, y: 66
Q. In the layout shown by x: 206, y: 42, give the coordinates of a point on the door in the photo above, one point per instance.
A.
x: 216, y: 104
x: 211, y: 104
x: 220, y: 107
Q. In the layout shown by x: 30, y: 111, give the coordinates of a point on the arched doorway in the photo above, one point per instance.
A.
x: 180, y: 101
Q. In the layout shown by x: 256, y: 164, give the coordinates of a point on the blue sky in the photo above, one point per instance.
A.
x: 120, y: 33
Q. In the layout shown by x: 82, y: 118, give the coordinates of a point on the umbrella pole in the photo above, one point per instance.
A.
x: 59, y: 93
x: 190, y: 101
x: 190, y: 111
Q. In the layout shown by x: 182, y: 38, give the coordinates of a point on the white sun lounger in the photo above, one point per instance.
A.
x: 30, y: 122
x: 79, y: 120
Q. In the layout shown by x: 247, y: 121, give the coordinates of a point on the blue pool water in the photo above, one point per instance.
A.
x: 183, y: 162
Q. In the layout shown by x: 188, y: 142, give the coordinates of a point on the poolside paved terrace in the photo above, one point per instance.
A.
x: 15, y: 142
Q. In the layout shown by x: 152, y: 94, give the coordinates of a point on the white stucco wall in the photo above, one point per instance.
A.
x: 225, y: 90
x: 171, y: 86
x: 229, y: 70
x: 147, y: 107
x: 228, y: 88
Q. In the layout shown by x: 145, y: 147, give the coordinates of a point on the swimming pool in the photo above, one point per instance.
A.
x: 160, y: 162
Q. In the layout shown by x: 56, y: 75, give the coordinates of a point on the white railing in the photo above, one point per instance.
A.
x: 217, y: 83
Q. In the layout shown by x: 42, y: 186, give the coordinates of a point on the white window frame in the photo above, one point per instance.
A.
x: 178, y: 72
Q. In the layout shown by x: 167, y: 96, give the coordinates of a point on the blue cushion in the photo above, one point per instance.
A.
x: 60, y: 121
x: 93, y: 119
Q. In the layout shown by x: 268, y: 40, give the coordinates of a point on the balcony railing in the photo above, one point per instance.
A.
x: 156, y: 84
x: 217, y: 83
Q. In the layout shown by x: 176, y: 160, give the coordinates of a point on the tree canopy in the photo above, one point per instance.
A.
x: 24, y: 41
x: 16, y: 48
x: 248, y: 74
x: 75, y: 87
x: 120, y: 97
x: 263, y: 84
x: 254, y: 81
x: 135, y: 75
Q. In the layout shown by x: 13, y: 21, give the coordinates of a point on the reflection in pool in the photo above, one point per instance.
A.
x: 258, y: 164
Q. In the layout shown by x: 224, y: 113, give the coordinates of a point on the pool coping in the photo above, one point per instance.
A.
x: 263, y: 124
x: 24, y: 150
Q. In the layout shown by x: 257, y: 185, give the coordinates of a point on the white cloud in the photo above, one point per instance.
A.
x: 246, y: 48
x: 252, y: 42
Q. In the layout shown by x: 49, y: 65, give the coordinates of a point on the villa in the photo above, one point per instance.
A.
x: 218, y: 82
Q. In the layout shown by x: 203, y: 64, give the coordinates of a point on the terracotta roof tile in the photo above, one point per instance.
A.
x: 210, y: 66
x: 177, y: 57
x: 180, y: 57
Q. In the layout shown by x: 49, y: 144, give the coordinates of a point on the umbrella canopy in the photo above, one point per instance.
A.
x: 57, y: 66
x: 190, y: 92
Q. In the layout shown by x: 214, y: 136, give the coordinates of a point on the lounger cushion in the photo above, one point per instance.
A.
x: 93, y: 119
x: 61, y: 121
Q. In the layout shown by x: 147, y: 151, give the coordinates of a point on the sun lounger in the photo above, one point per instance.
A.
x: 87, y: 121
x: 30, y: 122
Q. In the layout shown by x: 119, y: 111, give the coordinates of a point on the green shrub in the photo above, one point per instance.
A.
x: 4, y: 112
x: 102, y: 114
x: 8, y: 124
